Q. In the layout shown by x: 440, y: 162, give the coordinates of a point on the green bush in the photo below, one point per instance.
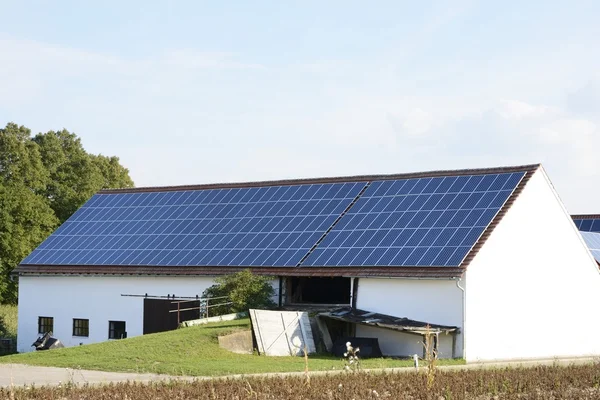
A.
x: 244, y: 290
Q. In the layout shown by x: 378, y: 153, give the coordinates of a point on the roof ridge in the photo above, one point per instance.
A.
x: 585, y: 216
x: 340, y: 179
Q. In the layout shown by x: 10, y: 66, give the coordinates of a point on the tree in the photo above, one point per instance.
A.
x: 43, y: 181
x: 244, y: 289
x: 74, y: 174
x: 25, y: 216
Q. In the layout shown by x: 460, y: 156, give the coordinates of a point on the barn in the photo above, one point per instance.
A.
x: 490, y: 256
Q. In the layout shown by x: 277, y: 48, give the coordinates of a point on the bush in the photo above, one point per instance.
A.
x: 243, y: 290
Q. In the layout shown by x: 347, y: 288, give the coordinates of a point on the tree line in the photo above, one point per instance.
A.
x: 44, y: 179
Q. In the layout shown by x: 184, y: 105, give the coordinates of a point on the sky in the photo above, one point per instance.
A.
x: 190, y: 92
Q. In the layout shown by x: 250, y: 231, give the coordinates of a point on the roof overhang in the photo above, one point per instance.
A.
x: 362, y: 317
x: 358, y: 272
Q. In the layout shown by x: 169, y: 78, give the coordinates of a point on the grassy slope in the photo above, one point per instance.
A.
x: 8, y: 314
x: 189, y: 351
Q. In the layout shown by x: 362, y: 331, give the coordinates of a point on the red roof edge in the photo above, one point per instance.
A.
x: 342, y: 179
x: 501, y: 213
x: 400, y: 272
x: 585, y: 216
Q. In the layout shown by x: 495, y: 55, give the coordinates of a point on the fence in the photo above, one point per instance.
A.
x: 7, y: 346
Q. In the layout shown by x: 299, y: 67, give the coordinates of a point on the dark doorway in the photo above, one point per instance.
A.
x: 158, y: 318
x: 319, y: 290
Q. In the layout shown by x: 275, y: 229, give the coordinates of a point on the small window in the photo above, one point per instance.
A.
x: 116, y: 330
x: 81, y: 327
x: 45, y: 324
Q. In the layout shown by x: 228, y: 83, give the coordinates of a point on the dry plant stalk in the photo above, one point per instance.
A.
x: 431, y: 355
x: 305, y: 350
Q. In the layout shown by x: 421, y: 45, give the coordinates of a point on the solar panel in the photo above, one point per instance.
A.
x: 592, y: 239
x: 415, y: 222
x: 257, y: 226
x: 587, y: 224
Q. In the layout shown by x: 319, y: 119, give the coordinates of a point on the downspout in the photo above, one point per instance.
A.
x: 464, y: 311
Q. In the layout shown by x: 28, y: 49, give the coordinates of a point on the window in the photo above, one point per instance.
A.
x: 45, y: 324
x: 81, y: 327
x: 116, y: 330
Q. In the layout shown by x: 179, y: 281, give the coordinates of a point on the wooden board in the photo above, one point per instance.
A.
x: 282, y: 333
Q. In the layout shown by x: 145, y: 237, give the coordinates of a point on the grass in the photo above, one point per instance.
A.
x: 189, y: 351
x: 8, y: 316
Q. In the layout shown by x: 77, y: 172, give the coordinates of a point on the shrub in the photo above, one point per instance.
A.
x: 244, y: 290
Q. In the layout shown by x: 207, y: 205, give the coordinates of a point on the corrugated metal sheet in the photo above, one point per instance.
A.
x: 282, y: 333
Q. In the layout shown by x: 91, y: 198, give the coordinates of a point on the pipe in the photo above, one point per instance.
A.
x: 464, y: 311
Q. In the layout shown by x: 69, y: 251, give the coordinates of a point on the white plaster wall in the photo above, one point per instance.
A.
x: 402, y: 344
x: 433, y: 301
x: 534, y: 289
x: 96, y: 298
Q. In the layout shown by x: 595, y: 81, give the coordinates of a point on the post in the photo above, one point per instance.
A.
x: 351, y: 291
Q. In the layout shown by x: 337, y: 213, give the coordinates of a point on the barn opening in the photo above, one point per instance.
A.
x: 162, y: 315
x: 318, y: 290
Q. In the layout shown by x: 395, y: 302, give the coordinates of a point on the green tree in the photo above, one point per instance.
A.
x: 74, y: 174
x: 25, y: 216
x: 114, y: 175
x: 43, y: 181
x: 244, y: 290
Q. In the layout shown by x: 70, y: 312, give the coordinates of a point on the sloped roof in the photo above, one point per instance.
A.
x: 362, y: 317
x: 587, y: 222
x: 427, y: 224
x: 592, y: 240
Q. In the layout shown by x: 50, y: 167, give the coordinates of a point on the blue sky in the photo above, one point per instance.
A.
x: 197, y: 92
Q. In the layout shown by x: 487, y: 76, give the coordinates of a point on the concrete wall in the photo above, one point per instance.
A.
x: 433, y: 301
x: 533, y: 289
x: 95, y: 298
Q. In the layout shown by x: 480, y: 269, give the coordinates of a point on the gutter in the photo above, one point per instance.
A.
x: 464, y: 311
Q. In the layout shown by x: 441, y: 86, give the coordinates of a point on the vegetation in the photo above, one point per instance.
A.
x: 43, y: 180
x: 244, y: 290
x: 188, y: 351
x: 573, y: 382
x: 8, y: 321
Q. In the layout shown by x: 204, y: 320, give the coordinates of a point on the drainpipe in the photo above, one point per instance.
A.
x: 351, y: 291
x: 464, y: 309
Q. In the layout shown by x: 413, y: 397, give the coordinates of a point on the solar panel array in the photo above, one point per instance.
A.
x: 587, y: 224
x: 261, y: 226
x: 416, y: 222
x: 592, y: 239
x: 405, y: 222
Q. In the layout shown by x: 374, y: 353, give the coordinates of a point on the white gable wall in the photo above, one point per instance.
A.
x: 428, y: 300
x: 533, y: 288
x: 97, y: 298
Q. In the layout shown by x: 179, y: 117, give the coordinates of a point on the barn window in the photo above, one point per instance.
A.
x: 45, y: 324
x: 81, y: 327
x: 116, y: 330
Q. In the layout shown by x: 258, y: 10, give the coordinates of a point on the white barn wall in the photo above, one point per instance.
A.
x: 97, y: 298
x: 400, y: 344
x: 428, y: 300
x: 533, y: 289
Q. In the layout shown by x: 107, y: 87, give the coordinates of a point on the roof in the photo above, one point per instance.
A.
x: 592, y: 240
x: 587, y: 222
x: 428, y: 224
x: 368, y: 318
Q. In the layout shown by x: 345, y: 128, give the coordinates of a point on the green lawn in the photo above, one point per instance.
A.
x: 188, y: 351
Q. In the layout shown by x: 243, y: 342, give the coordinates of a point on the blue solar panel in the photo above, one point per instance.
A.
x: 415, y: 222
x: 259, y: 226
x: 592, y: 239
x: 587, y: 224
